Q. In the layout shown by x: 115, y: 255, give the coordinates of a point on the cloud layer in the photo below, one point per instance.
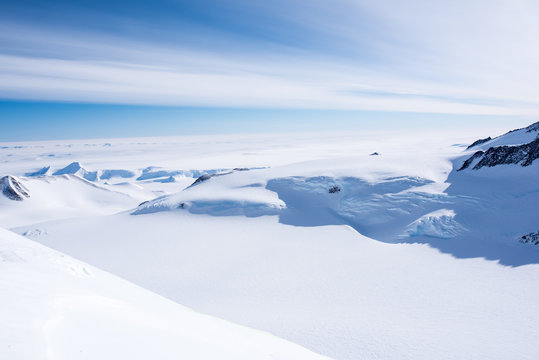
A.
x: 459, y: 57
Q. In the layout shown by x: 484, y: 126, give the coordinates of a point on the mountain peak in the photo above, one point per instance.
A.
x: 71, y: 169
x: 75, y: 168
x: 13, y: 189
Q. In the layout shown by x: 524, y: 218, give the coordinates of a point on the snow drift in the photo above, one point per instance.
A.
x: 439, y: 224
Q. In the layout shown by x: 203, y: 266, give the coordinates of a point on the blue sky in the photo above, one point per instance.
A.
x: 75, y: 69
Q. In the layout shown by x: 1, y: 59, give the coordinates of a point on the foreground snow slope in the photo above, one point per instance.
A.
x: 327, y: 288
x: 55, y: 307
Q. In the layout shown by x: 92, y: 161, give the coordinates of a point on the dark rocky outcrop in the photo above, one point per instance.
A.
x: 334, y: 189
x: 531, y: 238
x: 531, y: 128
x: 479, y: 142
x: 13, y: 189
x: 519, y: 154
x: 470, y: 160
x: 206, y: 177
x: 522, y: 154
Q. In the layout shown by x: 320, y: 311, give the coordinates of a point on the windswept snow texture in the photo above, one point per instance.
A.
x: 116, y: 173
x: 439, y: 224
x: 380, y: 210
x: 55, y: 307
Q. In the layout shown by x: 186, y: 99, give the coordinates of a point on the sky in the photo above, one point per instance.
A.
x: 95, y: 68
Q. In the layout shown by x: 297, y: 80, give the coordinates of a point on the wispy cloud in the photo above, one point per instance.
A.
x: 470, y: 57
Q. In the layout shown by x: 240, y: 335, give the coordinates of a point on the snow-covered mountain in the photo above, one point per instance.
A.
x: 46, y: 170
x: 500, y: 182
x: 13, y: 189
x: 391, y: 208
x: 63, y: 196
x: 514, y: 137
x: 511, y: 148
x: 75, y: 168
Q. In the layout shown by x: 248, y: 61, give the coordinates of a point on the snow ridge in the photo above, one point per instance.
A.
x: 479, y: 142
x: 75, y: 168
x: 438, y: 224
x: 41, y: 172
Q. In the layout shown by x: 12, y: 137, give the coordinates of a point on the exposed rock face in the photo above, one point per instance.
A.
x: 470, y: 160
x: 205, y: 177
x: 334, y: 189
x: 479, y: 142
x: 374, y: 154
x: 13, y: 189
x: 520, y: 154
x: 531, y: 238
